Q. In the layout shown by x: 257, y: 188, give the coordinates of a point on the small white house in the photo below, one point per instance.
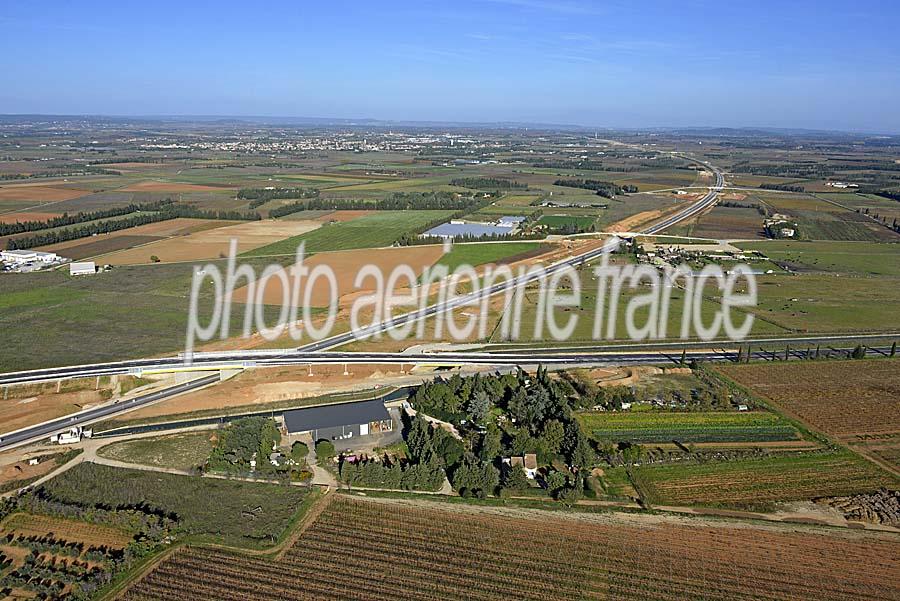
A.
x: 788, y: 232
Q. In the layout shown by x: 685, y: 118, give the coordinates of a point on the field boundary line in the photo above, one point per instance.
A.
x: 312, y: 514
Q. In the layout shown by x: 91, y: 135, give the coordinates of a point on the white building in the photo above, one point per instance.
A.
x: 84, y: 268
x: 20, y: 257
x: 510, y: 221
x: 72, y: 435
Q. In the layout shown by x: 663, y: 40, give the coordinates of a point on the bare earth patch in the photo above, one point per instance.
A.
x: 27, y: 216
x: 261, y: 386
x: 343, y: 215
x: 38, y: 193
x: 346, y: 264
x: 173, y: 187
x: 213, y: 244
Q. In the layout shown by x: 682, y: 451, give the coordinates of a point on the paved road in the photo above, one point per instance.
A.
x: 474, y: 297
x: 135, y: 366
x: 89, y: 416
x: 544, y: 357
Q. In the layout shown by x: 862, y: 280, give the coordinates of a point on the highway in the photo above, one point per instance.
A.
x: 237, y: 358
x: 89, y: 416
x: 474, y: 297
x: 547, y: 357
x: 314, y: 353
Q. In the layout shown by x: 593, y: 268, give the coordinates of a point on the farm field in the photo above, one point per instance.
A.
x: 346, y: 264
x: 725, y: 223
x: 26, y: 524
x: 45, y: 557
x: 37, y: 194
x: 24, y: 216
x: 179, y: 451
x: 137, y: 311
x: 174, y: 187
x: 212, y: 244
x: 853, y: 401
x: 104, y: 199
x: 559, y: 221
x: 429, y: 551
x: 106, y: 244
x: 476, y: 254
x: 649, y: 181
x: 585, y: 314
x: 687, y: 427
x: 96, y: 246
x: 5, y: 239
x: 877, y: 205
x: 208, y: 509
x: 863, y: 258
x: 821, y: 220
x: 816, y: 302
x: 760, y: 483
x: 374, y: 230
x: 409, y: 185
x: 181, y: 226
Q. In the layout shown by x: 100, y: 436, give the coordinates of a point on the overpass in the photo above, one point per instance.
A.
x: 548, y: 357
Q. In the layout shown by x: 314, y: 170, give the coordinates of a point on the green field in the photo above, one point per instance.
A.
x: 248, y: 514
x: 865, y: 258
x: 475, y: 254
x: 829, y: 302
x: 135, y: 311
x: 179, y: 451
x: 760, y: 482
x: 818, y: 219
x: 687, y: 427
x: 375, y: 230
x: 560, y: 221
x: 585, y: 313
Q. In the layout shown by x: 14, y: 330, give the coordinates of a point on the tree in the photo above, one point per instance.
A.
x: 418, y: 439
x: 516, y: 479
x: 299, y: 451
x: 324, y: 450
x: 859, y: 352
x: 449, y: 448
x: 555, y: 480
x: 475, y: 478
x: 577, y: 448
x: 893, y: 348
x: 490, y: 447
x: 154, y: 259
x: 478, y: 407
x: 553, y: 435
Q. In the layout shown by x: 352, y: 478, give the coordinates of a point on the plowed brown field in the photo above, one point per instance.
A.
x: 855, y: 401
x: 385, y: 550
x: 38, y: 193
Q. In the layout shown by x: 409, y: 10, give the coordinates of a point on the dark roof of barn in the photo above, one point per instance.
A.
x: 332, y: 416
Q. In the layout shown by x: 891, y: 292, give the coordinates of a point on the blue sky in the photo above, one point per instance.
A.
x: 620, y: 63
